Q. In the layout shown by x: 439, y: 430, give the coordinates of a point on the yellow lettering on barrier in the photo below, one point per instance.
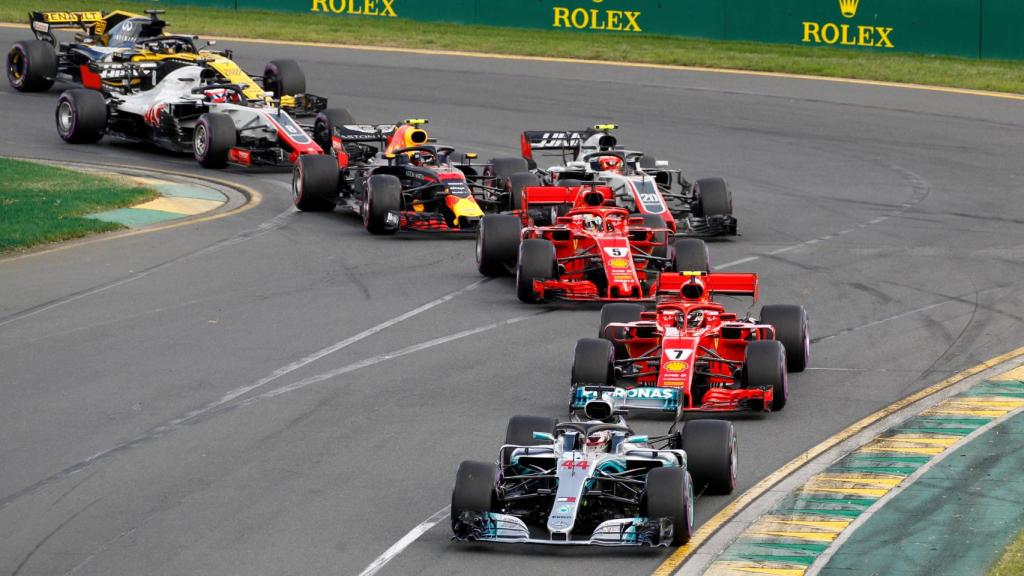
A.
x: 830, y: 33
x: 595, y: 19
x: 356, y: 7
x: 883, y: 37
x: 561, y: 18
x: 812, y: 29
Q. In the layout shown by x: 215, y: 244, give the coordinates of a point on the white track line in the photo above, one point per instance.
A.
x: 405, y: 541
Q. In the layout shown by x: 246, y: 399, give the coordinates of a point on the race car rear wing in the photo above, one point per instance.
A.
x: 43, y: 23
x: 731, y: 283
x: 365, y: 133
x: 569, y: 140
x: 548, y: 195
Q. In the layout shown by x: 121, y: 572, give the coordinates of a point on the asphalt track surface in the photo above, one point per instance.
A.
x: 166, y: 411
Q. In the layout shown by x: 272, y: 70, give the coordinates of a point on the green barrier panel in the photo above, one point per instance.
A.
x: 934, y: 27
x: 971, y: 28
x: 1001, y: 26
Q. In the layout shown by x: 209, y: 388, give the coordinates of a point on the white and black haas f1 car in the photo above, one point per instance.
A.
x: 594, y: 480
x: 190, y: 109
x: 642, y: 184
x: 396, y: 177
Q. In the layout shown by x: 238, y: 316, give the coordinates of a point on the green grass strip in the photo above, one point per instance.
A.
x: 40, y: 203
x: 995, y: 75
x: 1012, y: 562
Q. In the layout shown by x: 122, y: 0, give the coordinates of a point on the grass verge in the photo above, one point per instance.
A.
x: 995, y: 75
x: 1012, y: 562
x: 40, y: 203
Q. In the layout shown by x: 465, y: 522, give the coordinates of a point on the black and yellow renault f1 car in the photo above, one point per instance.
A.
x: 397, y: 178
x: 110, y: 48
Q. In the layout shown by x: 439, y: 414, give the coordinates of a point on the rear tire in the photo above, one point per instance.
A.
x: 497, y: 244
x: 475, y: 488
x: 81, y: 116
x: 790, y: 322
x: 669, y: 494
x: 691, y: 255
x: 712, y: 456
x: 764, y: 367
x: 315, y: 183
x: 323, y: 126
x: 284, y: 78
x: 213, y: 138
x: 536, y: 262
x: 516, y: 183
x: 383, y: 198
x: 31, y: 66
x: 715, y: 197
x: 593, y: 363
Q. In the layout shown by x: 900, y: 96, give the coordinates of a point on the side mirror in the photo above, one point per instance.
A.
x: 636, y: 439
x: 211, y: 42
x: 661, y: 163
x: 544, y: 436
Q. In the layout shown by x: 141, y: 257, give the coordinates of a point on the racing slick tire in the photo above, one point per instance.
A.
x: 213, y: 138
x: 619, y: 313
x: 669, y: 494
x: 315, y: 183
x: 475, y: 488
x: 383, y: 198
x: 691, y: 255
x: 81, y: 116
x: 31, y: 66
x: 284, y: 78
x: 536, y: 262
x: 764, y: 367
x: 520, y: 429
x: 323, y: 126
x: 790, y: 322
x: 656, y: 221
x: 497, y: 244
x: 715, y: 197
x: 593, y: 363
x: 712, y: 456
x: 516, y: 183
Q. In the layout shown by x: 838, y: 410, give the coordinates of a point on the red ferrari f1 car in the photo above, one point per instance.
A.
x: 396, y: 177
x: 577, y: 245
x: 719, y: 361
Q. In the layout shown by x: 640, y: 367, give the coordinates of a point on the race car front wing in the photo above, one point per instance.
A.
x: 504, y: 528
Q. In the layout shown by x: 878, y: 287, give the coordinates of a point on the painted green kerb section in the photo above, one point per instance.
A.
x: 939, y: 522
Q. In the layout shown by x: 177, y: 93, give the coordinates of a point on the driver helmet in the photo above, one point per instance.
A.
x: 599, y: 440
x: 220, y: 95
x: 609, y: 164
x: 695, y: 319
x: 592, y: 222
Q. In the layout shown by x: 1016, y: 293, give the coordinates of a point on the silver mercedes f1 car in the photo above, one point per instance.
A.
x: 593, y: 480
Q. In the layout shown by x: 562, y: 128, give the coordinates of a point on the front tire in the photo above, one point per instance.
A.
x: 497, y: 244
x: 715, y: 197
x: 284, y: 78
x: 790, y: 322
x: 81, y: 116
x: 213, y: 138
x: 475, y: 488
x: 536, y: 262
x: 593, y: 363
x: 315, y: 183
x: 764, y: 367
x: 382, y: 203
x: 669, y: 494
x: 31, y: 66
x: 712, y: 456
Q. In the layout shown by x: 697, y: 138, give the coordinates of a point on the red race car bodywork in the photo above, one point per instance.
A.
x: 719, y: 361
x: 572, y: 243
